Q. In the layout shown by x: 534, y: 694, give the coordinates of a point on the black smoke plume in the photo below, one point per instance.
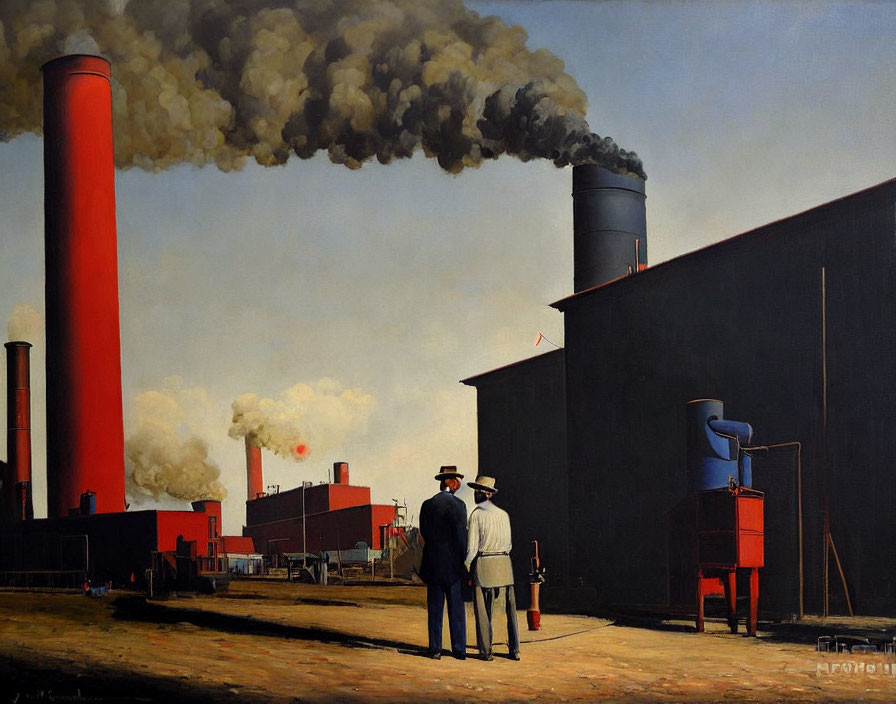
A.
x: 219, y: 81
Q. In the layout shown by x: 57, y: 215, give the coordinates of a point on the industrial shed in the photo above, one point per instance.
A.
x: 793, y: 326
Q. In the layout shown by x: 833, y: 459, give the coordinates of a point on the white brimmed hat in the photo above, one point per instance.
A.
x: 484, y: 483
x: 448, y: 472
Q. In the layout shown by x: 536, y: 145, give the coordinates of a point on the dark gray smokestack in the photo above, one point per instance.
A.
x: 609, y: 225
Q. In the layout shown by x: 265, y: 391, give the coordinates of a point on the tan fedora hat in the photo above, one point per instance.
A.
x: 484, y: 483
x: 448, y: 472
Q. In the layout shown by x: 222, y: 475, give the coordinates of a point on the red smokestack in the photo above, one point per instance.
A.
x: 254, y: 478
x: 85, y: 433
x: 340, y: 472
x: 17, y: 483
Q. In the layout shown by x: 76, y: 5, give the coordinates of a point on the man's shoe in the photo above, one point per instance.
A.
x: 487, y: 656
x: 435, y: 654
x: 460, y: 656
x: 514, y: 656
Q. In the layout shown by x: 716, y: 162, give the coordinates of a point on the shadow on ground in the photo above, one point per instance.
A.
x: 49, y: 679
x: 805, y: 632
x: 137, y: 608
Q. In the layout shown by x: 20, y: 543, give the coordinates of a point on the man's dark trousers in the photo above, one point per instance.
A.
x: 436, y: 596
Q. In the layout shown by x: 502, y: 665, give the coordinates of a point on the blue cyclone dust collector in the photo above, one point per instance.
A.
x: 715, y: 457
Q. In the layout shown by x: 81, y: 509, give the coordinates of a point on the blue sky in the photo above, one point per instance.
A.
x: 400, y: 280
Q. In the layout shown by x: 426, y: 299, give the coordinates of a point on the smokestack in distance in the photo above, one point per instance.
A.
x: 85, y: 432
x: 254, y: 476
x: 609, y: 225
x: 17, y: 502
x: 340, y: 472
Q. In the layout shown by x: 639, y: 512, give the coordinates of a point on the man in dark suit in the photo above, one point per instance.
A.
x: 443, y: 525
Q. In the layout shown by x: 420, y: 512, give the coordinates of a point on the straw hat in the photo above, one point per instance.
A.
x: 448, y: 472
x: 484, y: 483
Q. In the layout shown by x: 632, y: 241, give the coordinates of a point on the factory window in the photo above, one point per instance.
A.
x: 212, y: 527
x: 211, y: 549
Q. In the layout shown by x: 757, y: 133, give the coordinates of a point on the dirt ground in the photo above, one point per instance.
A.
x: 279, y: 642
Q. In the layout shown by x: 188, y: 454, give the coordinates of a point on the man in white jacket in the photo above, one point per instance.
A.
x: 488, y: 559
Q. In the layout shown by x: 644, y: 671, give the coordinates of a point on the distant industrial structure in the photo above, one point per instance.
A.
x: 792, y: 325
x: 89, y: 534
x: 316, y: 517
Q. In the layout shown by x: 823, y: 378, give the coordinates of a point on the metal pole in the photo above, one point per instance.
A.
x: 799, y: 509
x: 304, y: 549
x: 824, y: 439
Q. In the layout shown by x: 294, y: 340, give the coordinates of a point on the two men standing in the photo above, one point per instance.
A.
x: 455, y: 551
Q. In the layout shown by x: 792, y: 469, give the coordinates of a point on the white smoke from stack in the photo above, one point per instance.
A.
x: 163, y: 458
x: 25, y: 324
x: 209, y: 81
x: 304, y: 419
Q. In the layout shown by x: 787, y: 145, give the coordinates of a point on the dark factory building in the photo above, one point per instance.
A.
x: 115, y: 547
x: 791, y: 325
x: 538, y: 494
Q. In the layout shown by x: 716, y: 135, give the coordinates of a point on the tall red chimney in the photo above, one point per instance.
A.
x: 17, y: 484
x: 85, y: 433
x: 254, y: 477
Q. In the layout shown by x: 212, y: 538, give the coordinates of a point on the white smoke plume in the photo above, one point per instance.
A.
x: 25, y: 324
x: 163, y: 457
x: 219, y: 81
x: 304, y: 419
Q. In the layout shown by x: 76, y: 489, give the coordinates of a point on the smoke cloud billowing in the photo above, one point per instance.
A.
x: 25, y: 324
x: 219, y: 81
x: 163, y: 457
x: 304, y: 419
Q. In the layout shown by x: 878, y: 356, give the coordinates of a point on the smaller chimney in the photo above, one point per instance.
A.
x: 340, y: 472
x: 254, y: 479
x: 609, y: 226
x: 17, y: 492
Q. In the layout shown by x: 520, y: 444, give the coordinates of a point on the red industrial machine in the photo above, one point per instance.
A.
x: 729, y: 537
x: 718, y: 528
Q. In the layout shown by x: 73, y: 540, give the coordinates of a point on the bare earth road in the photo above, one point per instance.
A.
x: 278, y: 642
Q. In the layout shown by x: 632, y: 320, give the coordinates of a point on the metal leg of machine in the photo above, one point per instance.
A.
x: 754, y: 601
x: 730, y: 581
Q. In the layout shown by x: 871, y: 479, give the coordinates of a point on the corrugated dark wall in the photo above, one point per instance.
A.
x: 522, y: 443
x: 741, y: 321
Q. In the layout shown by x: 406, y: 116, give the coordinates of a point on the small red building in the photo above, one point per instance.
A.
x: 317, y: 517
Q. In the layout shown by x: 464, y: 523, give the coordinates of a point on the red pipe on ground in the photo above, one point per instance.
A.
x: 85, y: 433
x: 254, y: 478
x: 17, y: 490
